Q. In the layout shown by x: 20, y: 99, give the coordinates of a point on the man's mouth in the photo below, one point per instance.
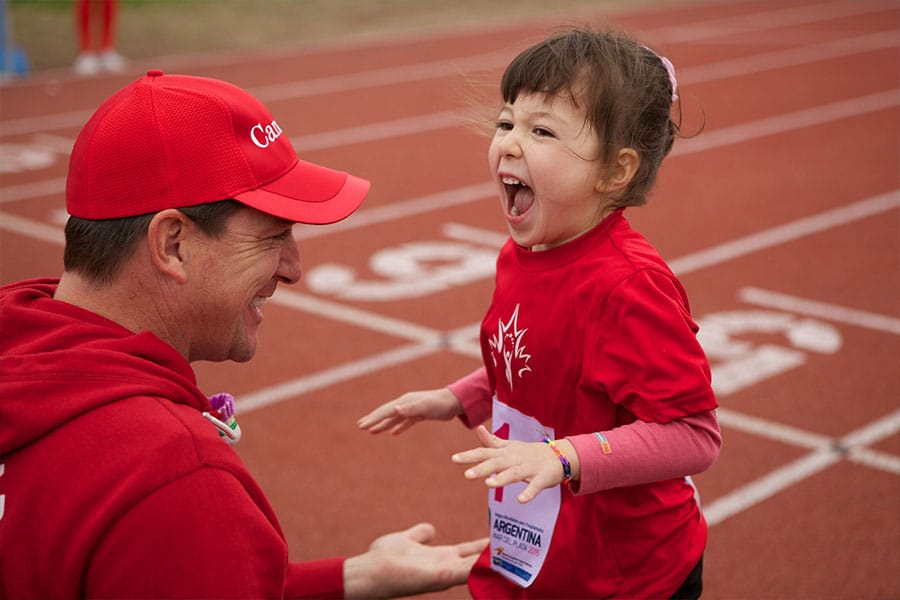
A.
x: 519, y: 197
x: 257, y: 304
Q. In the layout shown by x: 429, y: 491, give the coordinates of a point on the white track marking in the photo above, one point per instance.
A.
x: 709, y: 140
x: 727, y: 27
x: 849, y: 446
x: 36, y: 189
x: 813, y: 308
x: 786, y: 233
x: 378, y: 131
x: 400, y: 210
x: 774, y: 431
x: 361, y: 318
x: 424, y: 71
x: 767, y: 486
x: 801, y: 119
x: 329, y: 377
x: 32, y: 229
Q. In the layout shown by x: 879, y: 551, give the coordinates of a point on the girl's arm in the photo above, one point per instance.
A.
x: 469, y: 398
x: 640, y: 452
x: 643, y: 452
x: 474, y: 394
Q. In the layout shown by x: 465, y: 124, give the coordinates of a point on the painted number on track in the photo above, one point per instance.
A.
x: 739, y: 363
x: 411, y: 270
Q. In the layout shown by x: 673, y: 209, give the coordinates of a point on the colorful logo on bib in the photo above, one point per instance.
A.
x: 507, y: 344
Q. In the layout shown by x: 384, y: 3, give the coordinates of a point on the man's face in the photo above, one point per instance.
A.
x: 231, y: 277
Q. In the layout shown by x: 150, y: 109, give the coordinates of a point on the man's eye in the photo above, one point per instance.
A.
x: 283, y: 235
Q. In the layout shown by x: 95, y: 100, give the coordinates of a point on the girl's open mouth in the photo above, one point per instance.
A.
x: 519, y: 197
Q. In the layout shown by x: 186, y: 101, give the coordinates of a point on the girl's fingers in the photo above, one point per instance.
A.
x: 472, y: 456
x: 488, y: 439
x: 374, y: 418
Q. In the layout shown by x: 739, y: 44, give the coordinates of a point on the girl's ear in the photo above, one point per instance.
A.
x: 166, y: 243
x: 621, y: 173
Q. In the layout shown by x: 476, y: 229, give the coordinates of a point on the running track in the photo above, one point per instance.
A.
x: 782, y: 219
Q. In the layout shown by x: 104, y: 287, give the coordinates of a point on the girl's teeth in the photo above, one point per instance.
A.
x: 511, y: 181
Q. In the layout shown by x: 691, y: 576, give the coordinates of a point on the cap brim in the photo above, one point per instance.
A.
x: 309, y: 193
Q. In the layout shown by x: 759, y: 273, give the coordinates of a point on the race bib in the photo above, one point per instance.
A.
x: 520, y: 533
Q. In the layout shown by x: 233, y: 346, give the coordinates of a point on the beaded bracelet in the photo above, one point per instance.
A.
x: 567, y: 468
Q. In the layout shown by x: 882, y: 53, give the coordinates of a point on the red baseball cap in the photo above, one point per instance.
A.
x: 170, y: 141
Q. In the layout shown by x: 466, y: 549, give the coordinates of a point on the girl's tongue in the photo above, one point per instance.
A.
x: 519, y: 198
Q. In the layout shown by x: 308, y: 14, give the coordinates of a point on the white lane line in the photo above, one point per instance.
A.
x: 380, y: 77
x: 850, y: 446
x: 362, y: 318
x: 32, y: 229
x: 66, y: 120
x: 785, y: 233
x: 36, y: 189
x: 875, y: 459
x: 789, y: 57
x: 474, y: 235
x: 454, y: 341
x: 691, y: 75
x: 727, y: 27
x: 399, y: 210
x: 709, y: 140
x: 873, y: 432
x: 824, y: 310
x: 801, y: 119
x: 751, y: 494
x: 378, y: 131
x: 778, y: 432
x: 425, y: 71
x: 328, y: 377
x: 685, y: 264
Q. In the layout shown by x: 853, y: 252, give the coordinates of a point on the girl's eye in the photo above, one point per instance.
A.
x: 541, y: 132
x: 504, y: 126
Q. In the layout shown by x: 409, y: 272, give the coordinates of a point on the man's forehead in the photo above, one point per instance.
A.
x: 249, y: 216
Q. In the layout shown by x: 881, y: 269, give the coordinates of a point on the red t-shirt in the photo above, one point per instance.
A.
x: 586, y: 337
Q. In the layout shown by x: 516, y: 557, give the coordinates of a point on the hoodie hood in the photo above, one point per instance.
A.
x: 58, y: 361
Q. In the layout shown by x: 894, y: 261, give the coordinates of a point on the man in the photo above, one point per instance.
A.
x: 182, y: 193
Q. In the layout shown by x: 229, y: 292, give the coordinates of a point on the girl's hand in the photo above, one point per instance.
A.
x: 504, y: 462
x: 402, y: 413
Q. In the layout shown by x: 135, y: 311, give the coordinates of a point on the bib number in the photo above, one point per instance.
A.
x: 520, y: 533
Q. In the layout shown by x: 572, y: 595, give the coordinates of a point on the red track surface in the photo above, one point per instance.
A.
x: 782, y: 219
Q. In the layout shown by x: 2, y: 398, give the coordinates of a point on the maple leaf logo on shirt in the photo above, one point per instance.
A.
x: 507, y: 344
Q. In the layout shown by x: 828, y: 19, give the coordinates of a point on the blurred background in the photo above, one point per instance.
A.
x: 45, y: 29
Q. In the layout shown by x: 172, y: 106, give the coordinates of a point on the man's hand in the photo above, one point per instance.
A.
x: 403, y: 564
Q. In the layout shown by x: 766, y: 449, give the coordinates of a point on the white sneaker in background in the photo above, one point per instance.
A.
x: 112, y: 61
x: 87, y: 63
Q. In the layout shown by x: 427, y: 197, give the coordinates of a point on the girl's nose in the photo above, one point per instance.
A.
x: 509, y: 144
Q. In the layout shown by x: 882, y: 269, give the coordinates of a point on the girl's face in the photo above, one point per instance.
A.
x: 544, y: 158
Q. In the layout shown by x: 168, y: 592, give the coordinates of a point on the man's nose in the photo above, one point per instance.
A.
x: 289, y: 268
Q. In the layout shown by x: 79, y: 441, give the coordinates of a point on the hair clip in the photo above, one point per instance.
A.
x: 670, y: 69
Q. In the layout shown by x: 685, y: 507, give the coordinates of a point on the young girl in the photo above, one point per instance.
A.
x: 593, y: 374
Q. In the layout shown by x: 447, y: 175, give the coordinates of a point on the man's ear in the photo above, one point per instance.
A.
x: 165, y: 242
x: 621, y: 173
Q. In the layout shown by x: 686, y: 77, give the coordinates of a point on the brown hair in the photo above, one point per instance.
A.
x: 623, y: 87
x: 96, y: 249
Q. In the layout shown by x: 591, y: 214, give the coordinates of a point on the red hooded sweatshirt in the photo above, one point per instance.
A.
x: 112, y: 483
